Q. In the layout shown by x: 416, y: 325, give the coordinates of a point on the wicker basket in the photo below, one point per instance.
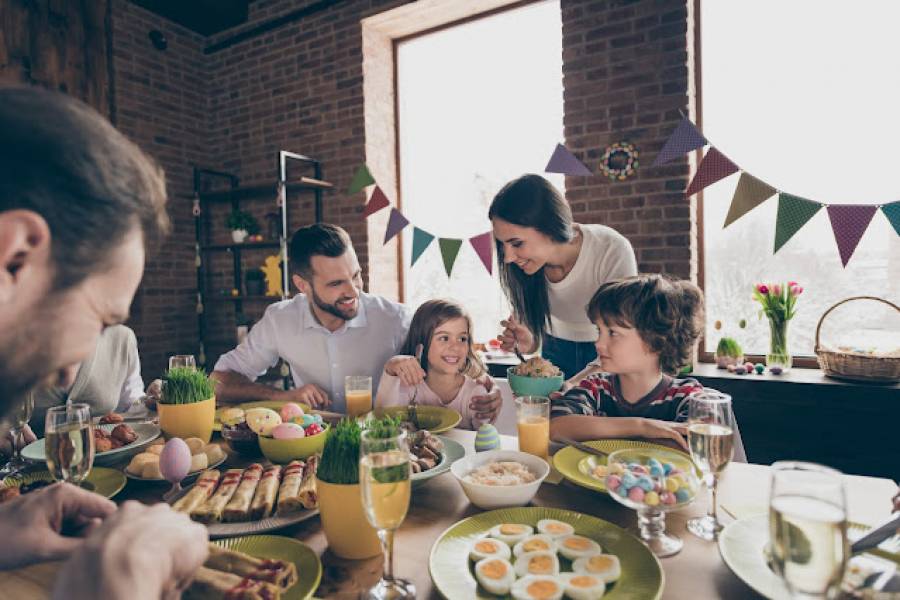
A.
x: 857, y: 367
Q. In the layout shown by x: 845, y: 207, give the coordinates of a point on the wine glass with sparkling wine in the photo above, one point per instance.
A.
x: 711, y: 439
x: 69, y: 443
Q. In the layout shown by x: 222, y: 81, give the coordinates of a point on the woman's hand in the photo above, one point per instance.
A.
x: 516, y: 333
x: 407, y: 368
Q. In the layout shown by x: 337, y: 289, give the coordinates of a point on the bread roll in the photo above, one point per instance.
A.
x: 199, y: 462
x: 155, y: 449
x: 214, y: 453
x: 137, y: 464
x: 151, y: 471
x: 195, y: 444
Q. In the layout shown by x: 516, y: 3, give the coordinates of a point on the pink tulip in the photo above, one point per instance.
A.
x: 762, y: 289
x: 792, y: 284
x: 776, y: 289
x: 796, y: 290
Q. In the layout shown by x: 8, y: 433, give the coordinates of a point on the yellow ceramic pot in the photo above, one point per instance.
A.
x: 348, y: 532
x: 188, y: 420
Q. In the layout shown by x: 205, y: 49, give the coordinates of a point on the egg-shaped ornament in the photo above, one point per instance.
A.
x: 175, y: 460
x: 487, y: 438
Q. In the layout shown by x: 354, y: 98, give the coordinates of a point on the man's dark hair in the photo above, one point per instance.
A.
x: 321, y: 239
x: 65, y: 162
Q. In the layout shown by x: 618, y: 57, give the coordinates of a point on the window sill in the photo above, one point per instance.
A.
x: 803, y: 376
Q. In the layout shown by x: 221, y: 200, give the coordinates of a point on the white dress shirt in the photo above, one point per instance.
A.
x: 288, y: 330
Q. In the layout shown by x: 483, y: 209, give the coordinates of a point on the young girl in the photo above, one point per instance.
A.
x: 647, y: 325
x: 448, y: 372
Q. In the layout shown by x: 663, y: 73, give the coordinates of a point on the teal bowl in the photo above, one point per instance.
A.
x: 533, y: 386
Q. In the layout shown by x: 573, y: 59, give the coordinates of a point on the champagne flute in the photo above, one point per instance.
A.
x: 808, y: 528
x: 711, y: 439
x: 384, y: 473
x: 182, y: 360
x: 69, y: 442
x: 20, y: 418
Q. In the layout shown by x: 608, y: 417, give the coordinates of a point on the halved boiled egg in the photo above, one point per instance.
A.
x: 604, y: 566
x: 511, y: 533
x: 537, y: 563
x: 580, y: 586
x: 577, y: 546
x: 535, y: 543
x: 495, y: 575
x: 538, y: 587
x: 554, y: 528
x: 487, y: 547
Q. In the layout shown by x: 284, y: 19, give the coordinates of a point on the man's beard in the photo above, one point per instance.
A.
x: 27, y: 358
x: 332, y: 309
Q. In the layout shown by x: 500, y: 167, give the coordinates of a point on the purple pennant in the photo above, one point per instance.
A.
x: 685, y: 138
x: 482, y: 245
x: 395, y: 225
x: 565, y: 162
x: 849, y: 222
x: 715, y: 166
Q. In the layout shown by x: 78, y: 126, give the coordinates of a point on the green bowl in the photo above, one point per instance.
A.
x: 284, y: 451
x: 533, y: 386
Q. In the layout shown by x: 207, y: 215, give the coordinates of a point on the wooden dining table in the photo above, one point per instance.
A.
x: 696, y: 572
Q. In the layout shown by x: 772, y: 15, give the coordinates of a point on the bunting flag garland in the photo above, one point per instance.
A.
x: 376, y: 202
x: 361, y: 179
x: 395, y: 225
x: 563, y: 161
x: 750, y: 193
x: 482, y: 245
x: 715, y: 166
x: 793, y: 213
x: 849, y: 222
x: 685, y: 138
x: 892, y: 212
x: 420, y: 242
x: 449, y: 250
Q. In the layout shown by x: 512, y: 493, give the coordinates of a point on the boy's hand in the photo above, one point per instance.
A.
x: 407, y: 368
x: 653, y: 428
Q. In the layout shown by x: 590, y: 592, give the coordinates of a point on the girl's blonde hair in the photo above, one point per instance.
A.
x: 431, y: 315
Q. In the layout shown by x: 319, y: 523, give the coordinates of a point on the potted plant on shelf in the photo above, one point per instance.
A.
x: 728, y: 352
x: 187, y: 407
x: 241, y: 225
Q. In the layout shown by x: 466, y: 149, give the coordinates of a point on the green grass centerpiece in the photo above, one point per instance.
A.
x: 186, y: 385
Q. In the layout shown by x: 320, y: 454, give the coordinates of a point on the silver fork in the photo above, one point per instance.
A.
x: 411, y: 411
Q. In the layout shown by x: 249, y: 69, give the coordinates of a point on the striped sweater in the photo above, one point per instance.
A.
x: 599, y: 395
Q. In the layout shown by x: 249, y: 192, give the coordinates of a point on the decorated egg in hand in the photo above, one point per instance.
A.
x: 260, y: 419
x: 290, y: 411
x: 175, y: 460
x: 487, y: 438
x: 287, y: 431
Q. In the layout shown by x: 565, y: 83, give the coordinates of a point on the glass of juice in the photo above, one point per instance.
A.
x: 358, y: 392
x: 69, y: 444
x: 533, y: 422
x: 384, y: 476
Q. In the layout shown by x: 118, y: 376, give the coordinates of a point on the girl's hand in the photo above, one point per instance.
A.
x: 407, y: 368
x: 653, y: 428
x: 514, y: 332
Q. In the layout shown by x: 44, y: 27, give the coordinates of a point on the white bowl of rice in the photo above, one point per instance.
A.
x: 500, y: 478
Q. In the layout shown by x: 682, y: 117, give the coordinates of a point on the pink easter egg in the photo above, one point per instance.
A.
x: 613, y: 482
x: 636, y: 494
x: 667, y: 498
x: 175, y: 460
x: 288, y: 431
x: 291, y: 411
x: 640, y: 469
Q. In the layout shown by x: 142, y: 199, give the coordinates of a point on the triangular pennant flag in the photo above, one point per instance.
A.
x: 563, y: 161
x: 892, y: 212
x: 361, y: 179
x: 482, y: 245
x: 750, y: 193
x: 449, y: 250
x: 685, y: 138
x: 793, y: 213
x: 849, y: 222
x: 395, y: 225
x: 715, y: 166
x: 421, y: 240
x: 375, y: 203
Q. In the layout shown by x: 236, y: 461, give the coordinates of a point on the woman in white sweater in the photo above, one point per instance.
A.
x: 550, y: 269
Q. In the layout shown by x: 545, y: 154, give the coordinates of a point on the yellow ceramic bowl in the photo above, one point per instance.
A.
x: 188, y: 420
x: 284, y: 451
x: 349, y: 533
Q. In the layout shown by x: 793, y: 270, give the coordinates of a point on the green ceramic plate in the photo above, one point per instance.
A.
x: 273, y: 404
x: 435, y: 419
x: 576, y: 466
x: 453, y: 451
x: 451, y: 569
x: 146, y: 433
x: 309, y: 569
x: 106, y: 482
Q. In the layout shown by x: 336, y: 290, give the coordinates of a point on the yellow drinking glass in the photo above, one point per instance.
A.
x: 533, y: 424
x: 358, y: 394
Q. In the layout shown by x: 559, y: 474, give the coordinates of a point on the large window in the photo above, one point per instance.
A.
x: 479, y: 104
x: 803, y: 95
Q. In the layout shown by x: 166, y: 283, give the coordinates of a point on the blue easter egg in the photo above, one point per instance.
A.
x: 682, y: 495
x: 622, y: 491
x: 645, y: 483
x: 657, y: 471
x: 667, y: 468
x: 487, y: 438
x: 629, y: 480
x: 308, y: 420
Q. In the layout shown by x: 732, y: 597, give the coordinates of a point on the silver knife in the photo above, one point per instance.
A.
x: 877, y: 535
x: 582, y: 447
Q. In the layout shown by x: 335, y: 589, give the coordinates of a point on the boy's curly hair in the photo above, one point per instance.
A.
x: 667, y: 313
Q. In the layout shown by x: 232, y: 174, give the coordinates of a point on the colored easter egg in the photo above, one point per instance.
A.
x: 651, y: 498
x: 487, y: 438
x: 683, y: 495
x: 287, y: 431
x: 775, y: 370
x: 175, y: 460
x: 749, y: 366
x: 739, y: 370
x: 259, y: 419
x: 629, y: 480
x: 613, y: 482
x: 645, y: 483
x: 667, y: 498
x: 759, y: 368
x: 636, y: 494
x: 667, y: 468
x: 672, y: 484
x: 289, y: 411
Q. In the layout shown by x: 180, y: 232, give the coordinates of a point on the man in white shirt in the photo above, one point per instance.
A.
x: 331, y: 330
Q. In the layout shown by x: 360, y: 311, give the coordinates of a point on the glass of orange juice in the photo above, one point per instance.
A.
x: 533, y: 421
x: 358, y: 392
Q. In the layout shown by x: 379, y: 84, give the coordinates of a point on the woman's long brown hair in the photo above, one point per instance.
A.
x: 431, y: 315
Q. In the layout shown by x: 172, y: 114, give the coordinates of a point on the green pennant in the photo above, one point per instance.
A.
x: 361, y: 179
x: 449, y: 250
x: 750, y: 193
x: 793, y: 213
x: 892, y: 212
x: 421, y: 240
